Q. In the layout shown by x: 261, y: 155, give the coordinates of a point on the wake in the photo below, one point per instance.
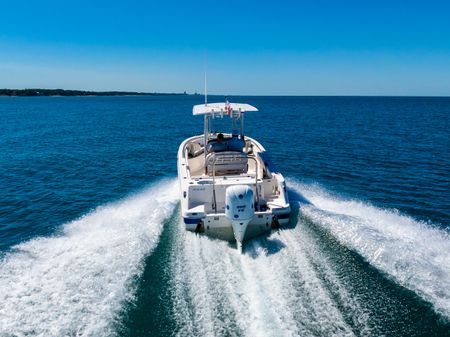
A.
x: 287, y: 284
x: 274, y: 289
x: 75, y: 283
x: 414, y: 254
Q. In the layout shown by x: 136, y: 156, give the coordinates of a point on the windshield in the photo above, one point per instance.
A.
x: 225, y: 125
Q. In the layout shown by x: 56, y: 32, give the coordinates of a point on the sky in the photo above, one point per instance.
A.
x: 249, y: 47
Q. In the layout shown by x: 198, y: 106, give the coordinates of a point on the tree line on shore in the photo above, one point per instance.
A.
x: 63, y: 92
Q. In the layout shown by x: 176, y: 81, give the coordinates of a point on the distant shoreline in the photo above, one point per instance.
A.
x: 86, y: 93
x: 63, y: 92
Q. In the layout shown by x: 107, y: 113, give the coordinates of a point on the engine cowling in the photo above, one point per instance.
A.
x: 239, y: 209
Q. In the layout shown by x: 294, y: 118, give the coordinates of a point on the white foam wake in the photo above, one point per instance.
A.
x: 273, y: 289
x: 415, y: 254
x: 74, y: 284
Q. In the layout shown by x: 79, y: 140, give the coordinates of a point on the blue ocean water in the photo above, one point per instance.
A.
x: 91, y: 244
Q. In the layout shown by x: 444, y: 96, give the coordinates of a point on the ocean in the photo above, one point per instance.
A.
x: 91, y: 241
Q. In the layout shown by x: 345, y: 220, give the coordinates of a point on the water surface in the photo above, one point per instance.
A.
x: 91, y: 242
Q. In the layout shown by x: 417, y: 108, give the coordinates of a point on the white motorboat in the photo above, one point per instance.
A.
x: 229, y: 187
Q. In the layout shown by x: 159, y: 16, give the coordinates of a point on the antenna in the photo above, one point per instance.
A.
x: 206, y: 91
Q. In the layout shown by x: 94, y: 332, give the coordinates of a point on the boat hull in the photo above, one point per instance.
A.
x: 203, y: 195
x: 219, y: 226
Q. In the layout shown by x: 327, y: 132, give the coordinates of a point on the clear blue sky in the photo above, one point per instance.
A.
x: 252, y: 47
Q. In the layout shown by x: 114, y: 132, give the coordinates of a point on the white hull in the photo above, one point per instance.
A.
x: 203, y: 190
x: 218, y: 226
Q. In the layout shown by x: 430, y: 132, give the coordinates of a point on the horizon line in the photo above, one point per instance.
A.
x: 144, y: 93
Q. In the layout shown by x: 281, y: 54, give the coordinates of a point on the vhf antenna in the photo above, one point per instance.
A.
x: 206, y: 91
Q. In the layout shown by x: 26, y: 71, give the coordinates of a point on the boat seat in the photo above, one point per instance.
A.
x: 227, y: 162
x: 228, y: 144
x: 199, y: 152
x: 217, y: 147
x: 235, y: 144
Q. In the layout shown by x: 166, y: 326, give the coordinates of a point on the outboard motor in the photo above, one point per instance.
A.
x: 239, y: 210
